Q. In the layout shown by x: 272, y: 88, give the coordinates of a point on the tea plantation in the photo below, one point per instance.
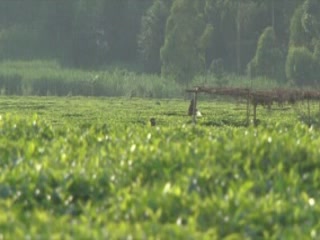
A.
x: 94, y: 168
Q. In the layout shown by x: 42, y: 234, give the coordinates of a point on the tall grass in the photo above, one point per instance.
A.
x: 50, y: 78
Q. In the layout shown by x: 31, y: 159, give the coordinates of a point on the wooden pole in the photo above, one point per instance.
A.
x: 248, y: 108
x: 309, y: 117
x: 238, y: 43
x: 255, y: 113
x: 273, y: 14
x: 194, y: 111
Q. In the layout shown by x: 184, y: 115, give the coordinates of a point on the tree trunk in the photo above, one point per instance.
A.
x: 273, y: 14
x: 238, y: 44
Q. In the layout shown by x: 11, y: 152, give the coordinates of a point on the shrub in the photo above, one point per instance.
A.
x: 302, y: 66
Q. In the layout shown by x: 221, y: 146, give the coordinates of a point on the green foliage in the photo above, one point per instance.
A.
x: 303, y: 58
x: 120, y: 21
x: 78, y: 33
x: 151, y: 37
x: 95, y: 33
x: 49, y: 78
x: 310, y: 18
x: 216, y: 67
x: 268, y: 60
x: 91, y: 34
x: 19, y: 42
x: 206, y: 37
x: 316, y: 52
x: 305, y: 25
x: 11, y: 84
x: 84, y: 49
x: 181, y: 55
x: 112, y: 178
x: 297, y: 35
x: 302, y: 67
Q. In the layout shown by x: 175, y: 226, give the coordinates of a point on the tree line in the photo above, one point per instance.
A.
x: 277, y: 39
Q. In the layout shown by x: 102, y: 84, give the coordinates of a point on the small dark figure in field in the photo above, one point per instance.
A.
x: 191, y: 107
x: 152, y: 122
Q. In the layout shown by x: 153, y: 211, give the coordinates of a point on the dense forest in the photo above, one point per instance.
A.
x: 277, y: 39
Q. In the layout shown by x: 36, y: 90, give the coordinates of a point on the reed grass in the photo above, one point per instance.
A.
x: 43, y: 78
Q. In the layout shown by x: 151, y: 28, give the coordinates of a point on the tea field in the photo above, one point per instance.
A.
x: 94, y: 168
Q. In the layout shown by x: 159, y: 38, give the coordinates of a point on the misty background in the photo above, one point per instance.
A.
x: 153, y: 48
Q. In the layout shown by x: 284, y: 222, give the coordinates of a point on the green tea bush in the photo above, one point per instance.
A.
x: 169, y: 182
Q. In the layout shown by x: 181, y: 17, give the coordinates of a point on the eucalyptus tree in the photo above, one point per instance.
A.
x: 268, y: 60
x: 305, y: 25
x: 311, y: 18
x: 303, y: 63
x: 152, y: 34
x: 84, y: 49
x: 186, y: 38
x: 120, y: 21
x: 237, y: 25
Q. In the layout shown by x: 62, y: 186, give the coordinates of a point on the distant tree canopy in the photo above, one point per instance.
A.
x: 80, y: 33
x: 151, y: 35
x: 182, y: 54
x: 303, y: 62
x: 268, y: 60
x: 178, y: 38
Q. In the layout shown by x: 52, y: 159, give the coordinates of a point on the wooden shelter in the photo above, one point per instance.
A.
x: 256, y: 97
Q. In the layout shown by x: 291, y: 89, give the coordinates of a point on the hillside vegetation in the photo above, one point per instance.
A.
x: 179, y: 39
